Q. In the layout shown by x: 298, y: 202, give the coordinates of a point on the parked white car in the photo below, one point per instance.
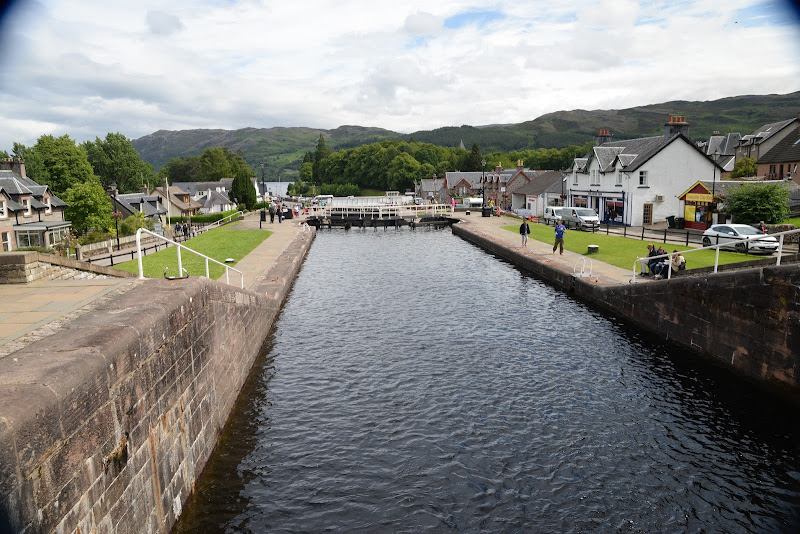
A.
x: 552, y: 214
x: 577, y: 216
x: 739, y: 237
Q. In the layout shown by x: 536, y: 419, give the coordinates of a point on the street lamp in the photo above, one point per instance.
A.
x: 483, y: 181
x: 116, y: 213
x: 263, y: 192
x: 714, y: 181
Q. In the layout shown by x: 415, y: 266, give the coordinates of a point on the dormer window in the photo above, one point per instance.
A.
x: 26, y: 202
x: 3, y: 208
x: 49, y: 207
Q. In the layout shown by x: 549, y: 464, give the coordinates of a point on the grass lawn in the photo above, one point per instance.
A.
x: 622, y: 251
x: 794, y: 220
x: 219, y: 244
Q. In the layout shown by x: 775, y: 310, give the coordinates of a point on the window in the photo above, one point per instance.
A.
x: 595, y: 177
x: 619, y: 178
x: 26, y: 202
x: 574, y: 178
x: 3, y: 209
x: 642, y: 178
x: 49, y: 208
x: 6, y: 241
x: 28, y: 239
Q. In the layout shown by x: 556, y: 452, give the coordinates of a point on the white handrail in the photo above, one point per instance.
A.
x: 219, y: 222
x: 180, y: 266
x: 714, y: 247
x: 386, y: 210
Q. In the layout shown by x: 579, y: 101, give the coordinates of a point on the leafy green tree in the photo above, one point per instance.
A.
x: 306, y: 171
x: 216, y: 163
x: 402, y: 171
x: 752, y: 203
x: 88, y: 207
x: 242, y: 189
x: 57, y: 162
x: 181, y: 170
x: 115, y: 160
x: 744, y: 168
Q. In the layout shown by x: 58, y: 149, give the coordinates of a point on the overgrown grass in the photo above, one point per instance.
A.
x: 219, y: 244
x: 623, y: 251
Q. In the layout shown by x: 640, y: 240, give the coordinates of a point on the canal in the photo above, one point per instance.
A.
x: 414, y: 383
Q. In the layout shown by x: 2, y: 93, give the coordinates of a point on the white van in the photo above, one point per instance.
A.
x: 320, y: 199
x: 552, y: 214
x: 577, y: 216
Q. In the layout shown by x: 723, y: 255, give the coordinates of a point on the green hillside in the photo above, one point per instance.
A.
x: 282, y: 149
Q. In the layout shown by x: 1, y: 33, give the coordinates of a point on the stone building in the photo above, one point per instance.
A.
x: 30, y: 214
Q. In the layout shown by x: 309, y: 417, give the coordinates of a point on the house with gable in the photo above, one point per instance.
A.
x: 433, y: 190
x: 782, y: 161
x: 765, y: 138
x: 722, y: 149
x: 133, y: 203
x: 638, y: 182
x: 544, y: 189
x: 501, y: 183
x: 30, y: 214
x: 214, y: 197
x: 463, y: 184
x: 178, y: 203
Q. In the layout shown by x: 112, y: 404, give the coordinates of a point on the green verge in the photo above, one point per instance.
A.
x: 793, y: 220
x: 623, y: 251
x: 219, y: 244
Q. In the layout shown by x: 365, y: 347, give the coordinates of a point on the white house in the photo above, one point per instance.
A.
x: 638, y: 181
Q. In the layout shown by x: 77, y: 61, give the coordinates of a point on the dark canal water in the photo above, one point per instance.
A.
x: 416, y: 384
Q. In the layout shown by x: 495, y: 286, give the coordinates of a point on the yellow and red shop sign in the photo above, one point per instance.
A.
x: 698, y: 197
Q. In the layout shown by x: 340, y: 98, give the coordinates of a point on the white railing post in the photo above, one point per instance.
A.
x: 139, y: 252
x: 780, y: 249
x: 716, y: 258
x: 207, y: 275
x: 180, y: 265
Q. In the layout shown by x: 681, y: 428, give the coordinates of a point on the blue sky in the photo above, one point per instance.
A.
x: 88, y: 68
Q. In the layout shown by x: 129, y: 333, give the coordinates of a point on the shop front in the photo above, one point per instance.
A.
x: 698, y: 205
x: 614, y: 211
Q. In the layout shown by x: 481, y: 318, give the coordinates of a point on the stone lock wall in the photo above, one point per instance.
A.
x: 105, y: 426
x: 748, y: 319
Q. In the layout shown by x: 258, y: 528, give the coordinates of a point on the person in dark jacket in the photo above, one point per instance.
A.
x: 524, y: 230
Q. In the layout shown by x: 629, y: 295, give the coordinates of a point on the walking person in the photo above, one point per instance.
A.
x: 560, y: 229
x: 280, y: 213
x: 524, y: 230
x: 271, y: 212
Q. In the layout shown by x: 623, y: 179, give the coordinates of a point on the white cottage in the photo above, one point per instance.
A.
x: 638, y: 181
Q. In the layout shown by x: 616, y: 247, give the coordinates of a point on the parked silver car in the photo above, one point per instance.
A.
x: 739, y: 237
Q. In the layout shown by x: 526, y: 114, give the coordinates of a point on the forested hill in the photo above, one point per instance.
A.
x: 283, y: 148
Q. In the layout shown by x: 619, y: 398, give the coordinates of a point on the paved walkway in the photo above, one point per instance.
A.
x: 33, y: 311
x: 494, y: 226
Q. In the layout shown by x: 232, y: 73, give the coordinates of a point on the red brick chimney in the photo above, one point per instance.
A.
x: 603, y: 137
x: 677, y: 124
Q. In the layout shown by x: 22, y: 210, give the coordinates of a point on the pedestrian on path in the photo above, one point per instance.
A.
x: 280, y: 213
x: 271, y: 212
x: 524, y: 230
x: 560, y: 229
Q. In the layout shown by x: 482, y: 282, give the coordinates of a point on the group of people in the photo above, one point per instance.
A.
x: 182, y: 229
x: 658, y: 267
x: 525, y: 229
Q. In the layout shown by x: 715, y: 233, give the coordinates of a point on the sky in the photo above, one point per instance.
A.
x: 92, y: 67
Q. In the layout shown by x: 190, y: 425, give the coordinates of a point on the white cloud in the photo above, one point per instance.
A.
x: 92, y: 67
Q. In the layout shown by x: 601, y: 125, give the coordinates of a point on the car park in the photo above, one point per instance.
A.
x: 740, y: 238
x: 577, y: 217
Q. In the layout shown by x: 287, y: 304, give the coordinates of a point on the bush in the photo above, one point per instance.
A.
x: 203, y: 219
x: 752, y: 203
x: 93, y: 237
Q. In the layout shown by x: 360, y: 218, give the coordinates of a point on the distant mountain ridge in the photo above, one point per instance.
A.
x: 282, y: 148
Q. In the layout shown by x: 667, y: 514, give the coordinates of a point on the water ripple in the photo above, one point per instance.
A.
x: 416, y: 384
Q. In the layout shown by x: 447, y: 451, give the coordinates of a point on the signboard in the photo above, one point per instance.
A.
x: 157, y: 229
x: 698, y: 197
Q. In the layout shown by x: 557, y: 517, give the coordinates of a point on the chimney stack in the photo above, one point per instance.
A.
x: 15, y: 165
x: 677, y: 124
x: 603, y: 136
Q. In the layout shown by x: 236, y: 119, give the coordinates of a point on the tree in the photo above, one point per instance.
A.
x: 473, y: 162
x: 752, y: 203
x: 88, y: 207
x: 744, y: 168
x: 115, y: 160
x: 320, y: 154
x: 57, y: 162
x: 242, y: 189
x: 216, y: 164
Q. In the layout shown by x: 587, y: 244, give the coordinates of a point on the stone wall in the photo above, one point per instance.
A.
x: 29, y: 266
x: 106, y: 425
x: 748, y: 319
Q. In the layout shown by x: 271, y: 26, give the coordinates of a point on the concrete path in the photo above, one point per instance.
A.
x: 494, y: 226
x: 32, y: 311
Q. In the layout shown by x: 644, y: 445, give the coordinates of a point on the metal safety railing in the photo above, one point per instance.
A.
x: 181, y: 270
x: 224, y: 220
x: 729, y: 243
x: 385, y: 211
x: 583, y: 273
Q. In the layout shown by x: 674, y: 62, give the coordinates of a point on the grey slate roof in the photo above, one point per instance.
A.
x: 213, y: 199
x: 540, y: 183
x: 472, y: 178
x: 787, y: 150
x: 194, y: 188
x: 15, y: 185
x: 723, y: 144
x: 768, y: 130
x: 629, y: 154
